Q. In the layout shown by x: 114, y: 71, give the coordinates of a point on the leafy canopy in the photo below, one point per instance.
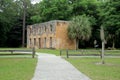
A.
x: 80, y: 28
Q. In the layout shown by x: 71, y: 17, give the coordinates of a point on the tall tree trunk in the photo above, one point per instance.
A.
x: 24, y: 18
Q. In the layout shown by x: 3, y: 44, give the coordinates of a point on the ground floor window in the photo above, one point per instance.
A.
x: 30, y: 43
x: 39, y: 42
x: 44, y: 42
x: 50, y: 42
x: 34, y: 41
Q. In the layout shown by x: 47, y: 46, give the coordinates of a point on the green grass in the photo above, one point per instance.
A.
x: 49, y: 51
x: 96, y: 71
x: 17, y: 68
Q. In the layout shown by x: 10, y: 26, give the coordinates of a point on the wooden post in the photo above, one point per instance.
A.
x: 33, y: 52
x: 82, y: 52
x: 103, y: 43
x: 60, y: 52
x: 11, y: 51
x: 67, y: 53
x: 101, y: 54
x: 103, y: 46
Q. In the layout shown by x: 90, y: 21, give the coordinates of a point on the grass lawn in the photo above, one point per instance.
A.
x: 49, y: 51
x: 96, y: 71
x: 23, y: 68
x: 17, y: 68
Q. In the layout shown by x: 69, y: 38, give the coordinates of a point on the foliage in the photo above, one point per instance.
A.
x: 52, y: 10
x: 6, y: 18
x: 79, y: 28
x: 110, y: 16
x: 15, y: 35
x: 88, y: 7
x: 11, y: 22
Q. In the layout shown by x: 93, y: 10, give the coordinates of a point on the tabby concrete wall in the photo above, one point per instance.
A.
x: 63, y: 42
x: 52, y: 34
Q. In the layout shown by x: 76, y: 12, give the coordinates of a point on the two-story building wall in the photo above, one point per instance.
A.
x: 52, y: 34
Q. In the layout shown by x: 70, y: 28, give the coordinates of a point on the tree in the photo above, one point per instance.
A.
x: 7, y: 18
x: 25, y: 7
x: 24, y: 22
x: 110, y: 19
x: 52, y: 10
x: 79, y: 29
x: 11, y: 14
x: 15, y: 35
x: 88, y: 7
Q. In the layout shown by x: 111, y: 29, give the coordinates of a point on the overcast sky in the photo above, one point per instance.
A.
x: 35, y: 1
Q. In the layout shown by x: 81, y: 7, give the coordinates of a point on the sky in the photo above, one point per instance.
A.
x: 35, y: 1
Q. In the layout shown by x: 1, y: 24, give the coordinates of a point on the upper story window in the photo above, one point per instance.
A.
x: 51, y: 28
x: 42, y: 29
x: 45, y: 42
x: 34, y: 31
x: 30, y: 31
x: 45, y: 28
x: 39, y: 30
x: 50, y: 42
x: 30, y: 42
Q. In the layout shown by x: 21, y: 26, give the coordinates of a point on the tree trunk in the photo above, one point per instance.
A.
x: 24, y: 18
x: 77, y: 43
x: 113, y: 44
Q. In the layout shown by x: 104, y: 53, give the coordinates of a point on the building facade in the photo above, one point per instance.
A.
x: 52, y: 34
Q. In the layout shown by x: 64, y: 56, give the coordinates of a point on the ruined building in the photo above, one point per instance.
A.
x: 52, y: 34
